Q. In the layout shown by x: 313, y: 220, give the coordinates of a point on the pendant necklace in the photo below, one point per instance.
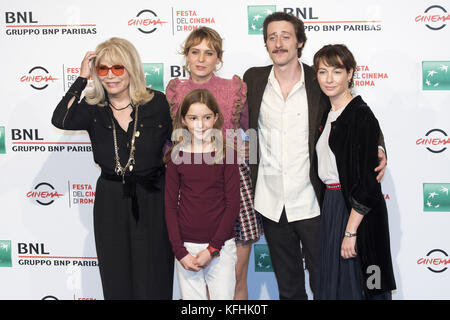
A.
x: 119, y: 170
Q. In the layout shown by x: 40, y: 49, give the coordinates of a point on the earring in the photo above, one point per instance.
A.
x: 219, y: 66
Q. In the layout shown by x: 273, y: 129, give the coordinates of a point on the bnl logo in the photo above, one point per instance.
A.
x: 263, y: 263
x: 256, y: 16
x: 2, y: 140
x: 435, y: 75
x: 5, y: 253
x: 436, y: 197
x: 154, y: 75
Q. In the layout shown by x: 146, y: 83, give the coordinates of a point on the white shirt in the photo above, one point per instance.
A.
x: 326, y: 160
x: 283, y: 172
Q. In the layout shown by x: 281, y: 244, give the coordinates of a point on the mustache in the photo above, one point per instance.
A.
x: 279, y: 50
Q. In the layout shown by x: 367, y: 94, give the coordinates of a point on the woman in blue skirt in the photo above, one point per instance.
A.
x: 355, y: 257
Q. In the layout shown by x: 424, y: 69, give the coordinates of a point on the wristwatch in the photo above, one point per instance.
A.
x: 350, y: 235
x: 213, y: 251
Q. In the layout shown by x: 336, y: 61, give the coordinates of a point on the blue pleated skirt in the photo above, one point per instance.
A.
x: 338, y: 278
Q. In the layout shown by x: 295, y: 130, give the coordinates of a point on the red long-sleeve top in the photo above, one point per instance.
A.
x: 202, y: 201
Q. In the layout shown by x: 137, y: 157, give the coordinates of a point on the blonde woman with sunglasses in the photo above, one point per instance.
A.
x: 128, y: 124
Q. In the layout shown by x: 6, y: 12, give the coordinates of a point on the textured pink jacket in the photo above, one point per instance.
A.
x: 231, y: 95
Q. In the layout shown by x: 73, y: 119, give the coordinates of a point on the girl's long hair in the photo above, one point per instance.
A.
x: 181, y: 138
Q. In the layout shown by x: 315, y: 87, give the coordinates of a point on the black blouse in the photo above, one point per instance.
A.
x: 354, y: 140
x: 154, y: 127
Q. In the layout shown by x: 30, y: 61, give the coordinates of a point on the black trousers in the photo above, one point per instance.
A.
x: 135, y: 257
x: 283, y: 239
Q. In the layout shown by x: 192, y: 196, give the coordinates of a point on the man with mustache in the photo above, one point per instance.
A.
x: 286, y: 107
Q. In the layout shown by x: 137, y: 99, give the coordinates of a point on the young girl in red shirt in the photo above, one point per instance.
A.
x: 202, y: 200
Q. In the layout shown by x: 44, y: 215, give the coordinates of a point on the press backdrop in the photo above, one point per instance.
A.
x: 48, y: 176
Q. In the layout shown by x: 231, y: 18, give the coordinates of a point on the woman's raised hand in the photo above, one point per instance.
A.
x: 85, y: 70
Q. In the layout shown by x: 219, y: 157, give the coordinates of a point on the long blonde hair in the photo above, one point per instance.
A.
x: 205, y: 97
x: 120, y: 51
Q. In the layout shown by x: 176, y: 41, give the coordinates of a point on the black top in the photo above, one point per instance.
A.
x: 154, y: 126
x: 354, y: 140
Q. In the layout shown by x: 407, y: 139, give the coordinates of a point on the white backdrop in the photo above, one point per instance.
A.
x: 48, y: 176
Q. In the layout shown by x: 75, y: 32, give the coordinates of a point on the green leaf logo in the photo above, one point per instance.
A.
x: 256, y: 16
x: 263, y: 263
x: 2, y: 140
x: 154, y: 75
x: 5, y: 253
x: 436, y: 197
x: 435, y: 75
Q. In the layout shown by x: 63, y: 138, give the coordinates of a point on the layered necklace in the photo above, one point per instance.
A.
x: 119, y: 170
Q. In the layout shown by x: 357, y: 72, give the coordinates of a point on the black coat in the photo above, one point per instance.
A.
x: 154, y: 126
x: 354, y: 140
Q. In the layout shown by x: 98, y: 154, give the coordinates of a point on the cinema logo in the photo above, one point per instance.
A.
x: 436, y: 261
x: 366, y: 77
x: 38, y: 78
x: 434, y: 17
x: 44, y: 194
x: 188, y: 20
x: 435, y: 141
x: 146, y: 21
x: 70, y: 75
x: 25, y: 23
x: 81, y: 194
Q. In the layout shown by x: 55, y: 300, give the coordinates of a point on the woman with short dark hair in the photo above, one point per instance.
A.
x: 355, y: 257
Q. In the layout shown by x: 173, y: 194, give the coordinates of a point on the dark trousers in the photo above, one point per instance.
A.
x: 283, y: 239
x: 382, y: 296
x: 135, y: 257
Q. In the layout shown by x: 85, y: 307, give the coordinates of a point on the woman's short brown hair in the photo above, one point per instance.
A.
x: 211, y: 36
x: 338, y: 56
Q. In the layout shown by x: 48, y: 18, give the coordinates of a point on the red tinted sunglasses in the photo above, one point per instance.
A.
x: 103, y: 70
